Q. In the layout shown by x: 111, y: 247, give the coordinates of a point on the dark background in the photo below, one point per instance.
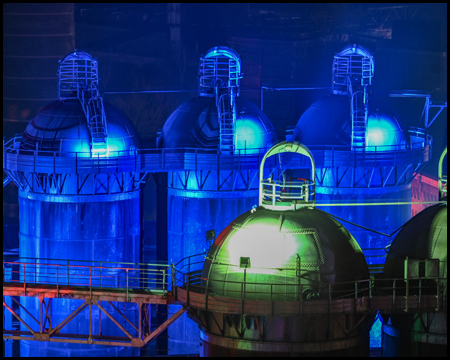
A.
x: 158, y: 46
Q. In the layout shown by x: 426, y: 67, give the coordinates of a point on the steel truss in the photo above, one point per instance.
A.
x: 48, y: 331
x: 233, y: 180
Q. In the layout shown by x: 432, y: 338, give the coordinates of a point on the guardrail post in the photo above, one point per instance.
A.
x: 273, y: 196
x: 196, y: 159
x: 68, y: 261
x: 90, y: 282
x: 127, y: 284
x: 24, y: 279
x: 164, y: 280
x: 57, y: 281
x: 101, y: 268
x: 35, y: 270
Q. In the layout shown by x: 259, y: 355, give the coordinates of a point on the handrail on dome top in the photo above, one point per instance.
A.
x: 442, y: 179
x: 279, y: 195
x: 224, y: 51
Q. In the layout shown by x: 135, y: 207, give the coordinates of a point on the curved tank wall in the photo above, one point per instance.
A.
x: 327, y: 122
x: 194, y: 124
x: 300, y: 253
x: 424, y: 334
x: 61, y: 126
x: 78, y: 225
x: 208, y: 200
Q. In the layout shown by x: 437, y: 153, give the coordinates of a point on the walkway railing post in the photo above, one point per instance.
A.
x: 24, y: 279
x: 127, y: 284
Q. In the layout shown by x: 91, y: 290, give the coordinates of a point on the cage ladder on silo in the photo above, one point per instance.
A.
x: 78, y: 73
x: 340, y: 73
x: 97, y: 126
x: 359, y: 119
x: 226, y: 123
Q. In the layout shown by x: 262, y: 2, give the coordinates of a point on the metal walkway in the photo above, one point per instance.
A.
x: 186, y: 159
x: 92, y: 282
x: 144, y: 284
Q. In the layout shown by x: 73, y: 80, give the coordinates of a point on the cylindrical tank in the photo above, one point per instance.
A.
x: 381, y: 173
x: 199, y: 201
x: 421, y: 334
x: 78, y: 216
x: 34, y: 36
x: 302, y: 252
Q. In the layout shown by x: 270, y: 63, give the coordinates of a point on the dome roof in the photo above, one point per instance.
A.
x: 285, y: 248
x: 62, y: 125
x: 195, y: 124
x: 422, y: 237
x: 327, y: 122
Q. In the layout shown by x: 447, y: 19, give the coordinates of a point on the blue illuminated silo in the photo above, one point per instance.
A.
x: 362, y: 152
x: 75, y: 211
x: 215, y: 122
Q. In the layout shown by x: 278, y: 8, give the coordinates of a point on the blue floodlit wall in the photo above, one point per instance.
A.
x: 327, y: 122
x: 195, y: 204
x: 88, y: 224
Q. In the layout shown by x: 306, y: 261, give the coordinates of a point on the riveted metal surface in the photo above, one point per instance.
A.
x: 62, y: 126
x: 195, y: 124
x: 280, y: 246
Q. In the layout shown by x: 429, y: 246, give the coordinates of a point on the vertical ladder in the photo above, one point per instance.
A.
x: 352, y: 73
x: 97, y: 126
x: 359, y: 119
x: 219, y: 77
x: 227, y: 120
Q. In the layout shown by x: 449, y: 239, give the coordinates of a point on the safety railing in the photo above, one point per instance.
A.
x: 427, y: 291
x: 90, y: 275
x: 153, y: 160
x: 300, y: 190
x: 399, y: 294
x: 143, y: 160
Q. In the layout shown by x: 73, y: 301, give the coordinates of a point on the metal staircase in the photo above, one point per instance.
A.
x: 78, y: 79
x: 353, y: 69
x: 227, y: 121
x: 359, y: 119
x: 219, y: 77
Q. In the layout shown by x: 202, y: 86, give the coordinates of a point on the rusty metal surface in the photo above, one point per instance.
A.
x: 53, y: 332
x: 81, y: 293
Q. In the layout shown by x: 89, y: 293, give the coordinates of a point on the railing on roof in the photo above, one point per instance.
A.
x: 178, y: 159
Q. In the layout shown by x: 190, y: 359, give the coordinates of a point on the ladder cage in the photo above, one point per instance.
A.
x: 78, y: 79
x: 352, y: 71
x: 219, y: 77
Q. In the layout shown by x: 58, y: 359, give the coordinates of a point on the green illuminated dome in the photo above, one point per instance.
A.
x: 283, y: 248
x: 423, y: 237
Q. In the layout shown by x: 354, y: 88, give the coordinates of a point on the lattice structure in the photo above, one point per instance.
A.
x: 78, y: 79
x: 159, y: 284
x: 353, y: 69
x: 219, y: 77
